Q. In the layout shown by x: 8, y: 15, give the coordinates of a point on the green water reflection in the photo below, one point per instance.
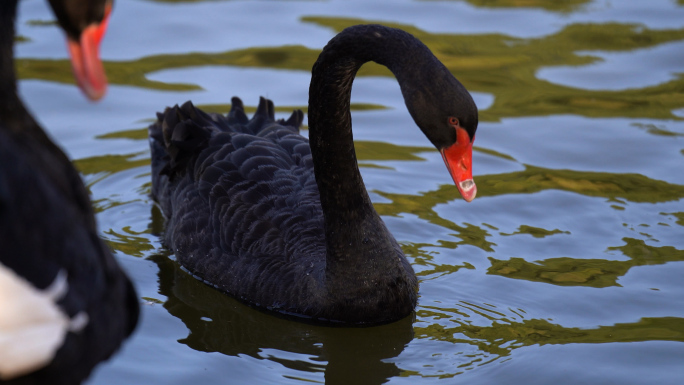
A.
x: 536, y: 231
x: 501, y: 65
x: 225, y: 108
x: 111, y: 164
x: 492, y: 338
x: 631, y: 187
x: 679, y: 216
x: 499, y: 339
x: 128, y: 241
x: 655, y: 130
x: 587, y: 272
x: 557, y: 6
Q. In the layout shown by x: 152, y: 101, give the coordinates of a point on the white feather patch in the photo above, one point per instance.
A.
x: 32, y: 326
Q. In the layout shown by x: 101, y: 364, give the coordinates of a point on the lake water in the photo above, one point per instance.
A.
x: 567, y: 268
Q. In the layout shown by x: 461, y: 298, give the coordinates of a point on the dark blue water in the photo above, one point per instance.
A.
x: 565, y: 269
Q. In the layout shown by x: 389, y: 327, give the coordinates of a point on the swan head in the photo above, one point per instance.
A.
x: 447, y: 115
x: 85, y: 23
x: 458, y: 158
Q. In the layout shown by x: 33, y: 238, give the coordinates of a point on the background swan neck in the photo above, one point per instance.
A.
x: 8, y: 88
x: 13, y: 115
x: 16, y: 121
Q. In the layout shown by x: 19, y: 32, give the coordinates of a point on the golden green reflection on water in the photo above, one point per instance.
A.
x: 42, y: 23
x: 586, y: 272
x: 655, y: 130
x: 536, y: 231
x: 420, y: 257
x: 679, y: 216
x: 500, y: 339
x: 366, y: 151
x: 225, y: 108
x: 500, y: 65
x: 631, y: 187
x: 506, y: 66
x: 128, y: 241
x: 134, y: 134
x: 502, y: 336
x: 133, y: 73
x: 110, y: 164
x: 556, y: 5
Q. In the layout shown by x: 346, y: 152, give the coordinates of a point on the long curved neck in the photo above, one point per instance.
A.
x: 330, y: 130
x: 356, y: 237
x: 363, y: 260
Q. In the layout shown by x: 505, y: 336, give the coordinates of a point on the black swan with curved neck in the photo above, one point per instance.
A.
x: 285, y: 223
x: 65, y: 304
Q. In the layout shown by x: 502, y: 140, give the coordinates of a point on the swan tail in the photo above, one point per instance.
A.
x: 178, y: 133
x: 264, y: 118
x: 295, y: 120
x: 182, y: 132
x: 270, y: 109
x: 237, y: 112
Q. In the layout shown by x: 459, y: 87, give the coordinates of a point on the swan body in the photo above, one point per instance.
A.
x: 66, y: 304
x: 285, y: 223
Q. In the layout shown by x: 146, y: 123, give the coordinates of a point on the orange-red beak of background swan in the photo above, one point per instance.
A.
x: 459, y: 160
x: 85, y: 59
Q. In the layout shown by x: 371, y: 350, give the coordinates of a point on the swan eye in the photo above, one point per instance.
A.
x: 453, y: 121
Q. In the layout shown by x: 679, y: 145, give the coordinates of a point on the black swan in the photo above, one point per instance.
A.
x: 285, y: 223
x: 65, y: 304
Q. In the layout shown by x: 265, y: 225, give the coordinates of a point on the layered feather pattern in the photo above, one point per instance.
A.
x: 241, y: 201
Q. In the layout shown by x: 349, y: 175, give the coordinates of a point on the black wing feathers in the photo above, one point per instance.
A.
x: 241, y: 194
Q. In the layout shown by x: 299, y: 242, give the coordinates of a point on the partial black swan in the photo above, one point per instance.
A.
x: 285, y: 223
x: 65, y: 304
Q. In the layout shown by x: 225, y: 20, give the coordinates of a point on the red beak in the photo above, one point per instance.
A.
x: 85, y: 59
x: 459, y: 161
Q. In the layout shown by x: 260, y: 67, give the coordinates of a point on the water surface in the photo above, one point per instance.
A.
x: 565, y: 269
